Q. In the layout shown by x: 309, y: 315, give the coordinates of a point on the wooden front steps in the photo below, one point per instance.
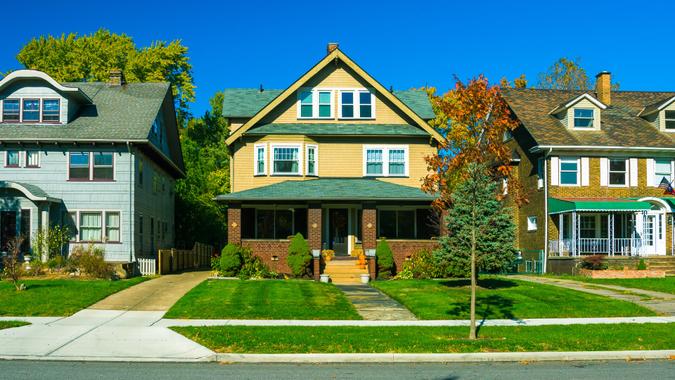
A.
x: 344, y: 271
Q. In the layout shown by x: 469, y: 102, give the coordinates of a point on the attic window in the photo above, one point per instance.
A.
x: 670, y: 120
x: 356, y: 104
x: 583, y: 117
x: 315, y: 104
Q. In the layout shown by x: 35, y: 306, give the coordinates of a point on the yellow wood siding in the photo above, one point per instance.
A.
x: 337, y: 157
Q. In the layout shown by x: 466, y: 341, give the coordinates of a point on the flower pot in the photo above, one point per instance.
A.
x: 365, y: 278
x: 325, y: 278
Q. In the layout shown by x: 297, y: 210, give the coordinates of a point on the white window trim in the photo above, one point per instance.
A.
x: 385, y: 160
x: 560, y: 171
x: 316, y: 160
x: 574, y: 125
x: 25, y: 159
x: 532, y: 223
x: 103, y: 213
x: 255, y: 159
x: 653, y: 173
x: 626, y: 173
x: 7, y: 159
x: 663, y: 114
x: 300, y: 158
x: 315, y: 103
x: 357, y: 103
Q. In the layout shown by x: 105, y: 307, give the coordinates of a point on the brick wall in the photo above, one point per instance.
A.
x: 267, y: 250
x: 314, y: 228
x: 369, y: 226
x: 403, y: 249
x: 234, y: 225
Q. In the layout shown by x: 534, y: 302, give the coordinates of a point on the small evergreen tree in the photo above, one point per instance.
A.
x: 230, y: 260
x: 385, y: 259
x: 299, y: 256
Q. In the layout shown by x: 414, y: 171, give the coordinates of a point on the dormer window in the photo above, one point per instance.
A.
x: 31, y: 111
x: 315, y: 104
x: 51, y: 111
x: 583, y: 117
x: 670, y: 120
x: 10, y: 110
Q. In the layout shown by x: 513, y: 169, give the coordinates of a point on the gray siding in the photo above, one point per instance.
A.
x: 37, y: 89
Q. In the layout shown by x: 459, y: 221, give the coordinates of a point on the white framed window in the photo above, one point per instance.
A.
x: 11, y: 110
x: 662, y: 171
x: 669, y: 117
x: 90, y: 226
x: 531, y: 223
x: 286, y: 159
x: 583, y: 117
x: 356, y: 104
x: 260, y: 159
x: 51, y: 110
x: 30, y: 111
x: 112, y: 226
x: 569, y: 171
x: 312, y: 156
x: 618, y: 172
x: 315, y: 103
x: 98, y: 226
x: 32, y: 159
x: 12, y: 158
x: 385, y: 160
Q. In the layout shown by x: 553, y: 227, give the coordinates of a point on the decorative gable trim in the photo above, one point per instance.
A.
x: 576, y: 100
x: 649, y: 110
x: 334, y: 55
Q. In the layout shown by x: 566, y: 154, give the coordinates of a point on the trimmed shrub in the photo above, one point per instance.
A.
x: 594, y: 262
x: 230, y: 260
x: 90, y: 261
x: 253, y: 267
x: 641, y: 265
x: 299, y: 256
x: 385, y: 259
x: 421, y: 265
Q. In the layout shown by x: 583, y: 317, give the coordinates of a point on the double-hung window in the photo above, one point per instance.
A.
x: 260, y: 162
x: 670, y: 120
x: 315, y: 104
x: 617, y: 172
x: 583, y: 117
x: 569, y: 171
x: 286, y: 160
x: 51, y: 112
x: 31, y: 111
x: 386, y: 161
x: 78, y: 166
x: 112, y: 226
x: 311, y: 165
x: 103, y: 166
x: 86, y: 166
x: 325, y: 104
x: 662, y: 171
x: 306, y: 104
x: 356, y: 104
x: 10, y: 110
x: 90, y: 226
x: 32, y: 159
x: 12, y: 158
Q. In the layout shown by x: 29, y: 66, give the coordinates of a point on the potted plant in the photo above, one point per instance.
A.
x: 365, y: 278
x: 325, y: 277
x: 328, y: 254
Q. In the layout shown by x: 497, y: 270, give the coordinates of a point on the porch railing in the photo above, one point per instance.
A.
x: 593, y: 246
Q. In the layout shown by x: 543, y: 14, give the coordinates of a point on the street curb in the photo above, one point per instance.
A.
x: 123, y: 359
x: 447, y: 358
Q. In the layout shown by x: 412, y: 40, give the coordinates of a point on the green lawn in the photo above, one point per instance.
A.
x: 268, y: 299
x: 10, y: 324
x: 665, y: 285
x: 58, y: 297
x: 291, y: 339
x: 502, y: 298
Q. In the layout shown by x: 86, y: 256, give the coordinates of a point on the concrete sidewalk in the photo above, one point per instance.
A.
x: 661, y: 303
x: 371, y: 304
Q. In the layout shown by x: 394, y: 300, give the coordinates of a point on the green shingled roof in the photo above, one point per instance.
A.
x: 246, y: 102
x: 33, y: 190
x: 332, y: 129
x: 330, y: 189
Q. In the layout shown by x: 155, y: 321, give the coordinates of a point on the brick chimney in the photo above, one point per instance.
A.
x: 116, y: 78
x: 603, y: 87
x: 331, y: 47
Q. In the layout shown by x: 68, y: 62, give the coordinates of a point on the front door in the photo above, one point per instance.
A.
x: 338, y: 225
x: 653, y: 228
x: 7, y: 228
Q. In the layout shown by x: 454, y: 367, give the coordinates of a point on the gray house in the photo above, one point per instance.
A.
x: 101, y: 158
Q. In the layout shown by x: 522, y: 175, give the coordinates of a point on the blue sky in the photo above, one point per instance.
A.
x: 403, y: 44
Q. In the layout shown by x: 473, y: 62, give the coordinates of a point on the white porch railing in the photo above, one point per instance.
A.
x: 147, y: 266
x: 592, y: 246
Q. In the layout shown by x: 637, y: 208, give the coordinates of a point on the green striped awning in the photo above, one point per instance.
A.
x: 559, y: 206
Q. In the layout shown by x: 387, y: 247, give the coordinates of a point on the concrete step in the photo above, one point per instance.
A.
x: 345, y: 270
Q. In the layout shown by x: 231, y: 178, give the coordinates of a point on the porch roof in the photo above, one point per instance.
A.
x: 32, y: 192
x: 559, y: 206
x: 330, y: 189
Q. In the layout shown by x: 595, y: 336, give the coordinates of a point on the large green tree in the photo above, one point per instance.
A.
x: 90, y: 57
x: 565, y: 74
x: 198, y: 217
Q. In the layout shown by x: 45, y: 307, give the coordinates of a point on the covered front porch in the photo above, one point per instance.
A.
x: 614, y: 227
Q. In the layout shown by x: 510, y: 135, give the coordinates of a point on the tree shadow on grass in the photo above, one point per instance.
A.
x: 492, y: 306
x: 487, y: 283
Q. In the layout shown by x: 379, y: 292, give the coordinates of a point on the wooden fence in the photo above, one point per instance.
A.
x: 147, y: 266
x: 176, y: 260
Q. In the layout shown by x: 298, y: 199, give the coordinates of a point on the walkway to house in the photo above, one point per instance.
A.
x: 661, y: 303
x: 374, y: 305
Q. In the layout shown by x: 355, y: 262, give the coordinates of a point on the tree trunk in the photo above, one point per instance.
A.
x: 472, y: 328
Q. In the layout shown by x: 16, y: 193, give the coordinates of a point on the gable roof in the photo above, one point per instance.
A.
x: 658, y: 106
x: 246, y: 102
x: 569, y: 103
x: 334, y: 55
x: 621, y: 125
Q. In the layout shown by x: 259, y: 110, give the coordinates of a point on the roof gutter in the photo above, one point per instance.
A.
x: 540, y: 148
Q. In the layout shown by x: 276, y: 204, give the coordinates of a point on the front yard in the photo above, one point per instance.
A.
x: 263, y: 299
x: 664, y: 285
x: 10, y: 324
x: 289, y: 339
x: 57, y: 297
x: 502, y: 298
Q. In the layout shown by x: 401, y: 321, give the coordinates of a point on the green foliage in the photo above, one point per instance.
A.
x: 565, y: 74
x: 642, y: 265
x: 12, y: 266
x: 91, y: 262
x: 299, y: 256
x: 593, y: 262
x: 198, y: 217
x: 475, y: 208
x: 385, y: 259
x: 76, y: 58
x: 253, y: 266
x: 422, y: 265
x: 52, y: 240
x: 230, y: 260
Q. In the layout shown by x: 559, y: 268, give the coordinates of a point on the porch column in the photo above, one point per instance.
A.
x: 610, y: 234
x: 574, y: 233
x: 561, y: 233
x: 44, y: 225
x: 369, y: 226
x: 314, y: 226
x: 234, y: 223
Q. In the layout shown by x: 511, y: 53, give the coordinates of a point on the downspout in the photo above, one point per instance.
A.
x: 546, y: 210
x: 131, y: 200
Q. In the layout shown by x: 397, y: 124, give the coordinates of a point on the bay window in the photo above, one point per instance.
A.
x: 385, y: 161
x: 286, y: 160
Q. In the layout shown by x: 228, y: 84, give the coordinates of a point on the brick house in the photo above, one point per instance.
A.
x: 335, y: 156
x: 595, y: 165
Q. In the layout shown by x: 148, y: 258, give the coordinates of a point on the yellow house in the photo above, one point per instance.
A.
x: 598, y: 168
x: 337, y: 157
